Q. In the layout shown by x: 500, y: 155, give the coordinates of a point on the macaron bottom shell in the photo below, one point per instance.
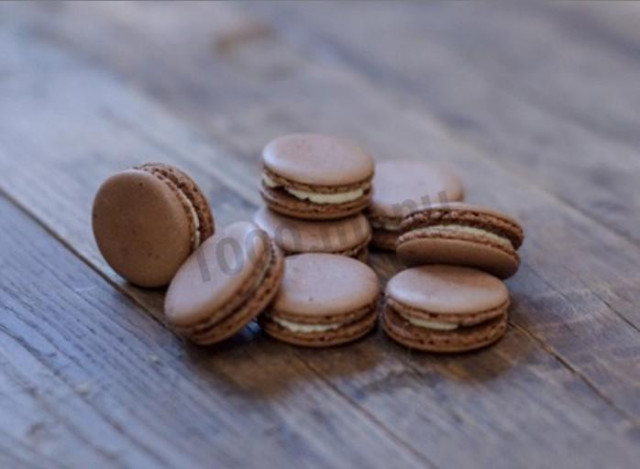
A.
x: 462, y: 339
x: 476, y: 253
x: 341, y: 335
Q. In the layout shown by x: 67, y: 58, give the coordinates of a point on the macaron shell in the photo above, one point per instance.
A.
x: 284, y: 203
x: 319, y: 160
x: 471, y: 253
x: 447, y: 290
x: 324, y: 289
x: 298, y: 236
x: 340, y: 336
x: 141, y: 228
x: 405, y: 185
x: 428, y: 340
x: 217, y: 276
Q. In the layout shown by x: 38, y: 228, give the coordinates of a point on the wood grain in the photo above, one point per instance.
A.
x: 560, y: 390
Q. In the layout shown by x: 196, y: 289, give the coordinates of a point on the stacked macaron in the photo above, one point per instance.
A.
x: 299, y: 267
x: 452, y: 299
x: 315, y: 188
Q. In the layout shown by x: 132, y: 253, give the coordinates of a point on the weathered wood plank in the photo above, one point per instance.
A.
x: 88, y: 378
x: 448, y: 404
x: 566, y: 252
x: 548, y: 102
x: 521, y: 400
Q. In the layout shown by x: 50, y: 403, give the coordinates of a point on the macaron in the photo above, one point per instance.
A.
x: 316, y: 177
x: 148, y: 220
x: 224, y: 285
x: 348, y: 236
x: 461, y: 234
x: 324, y: 300
x: 403, y: 186
x: 441, y: 308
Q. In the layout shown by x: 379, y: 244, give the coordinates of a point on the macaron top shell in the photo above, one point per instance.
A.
x: 403, y: 185
x: 230, y: 263
x: 141, y: 227
x: 443, y: 289
x: 295, y: 235
x: 318, y: 286
x: 318, y: 160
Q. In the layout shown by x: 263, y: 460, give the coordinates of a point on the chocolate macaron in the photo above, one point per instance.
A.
x: 225, y: 284
x: 403, y: 186
x: 316, y: 177
x: 441, y: 308
x: 346, y: 236
x: 324, y: 300
x: 148, y: 220
x: 461, y: 234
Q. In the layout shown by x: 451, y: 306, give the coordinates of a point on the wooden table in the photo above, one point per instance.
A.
x: 538, y: 107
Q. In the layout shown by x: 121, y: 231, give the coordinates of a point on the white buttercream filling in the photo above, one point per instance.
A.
x: 336, y: 198
x: 455, y: 229
x: 439, y: 326
x: 305, y: 328
x: 269, y: 182
x: 315, y: 197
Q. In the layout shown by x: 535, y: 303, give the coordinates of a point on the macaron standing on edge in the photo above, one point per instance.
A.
x: 225, y: 284
x: 348, y: 236
x: 442, y: 308
x: 316, y: 177
x: 403, y: 186
x: 461, y: 234
x: 324, y: 300
x: 148, y: 220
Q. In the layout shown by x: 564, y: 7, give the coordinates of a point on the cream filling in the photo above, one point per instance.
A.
x: 269, y: 182
x: 305, y: 328
x: 337, y: 198
x: 193, y: 215
x: 389, y: 225
x: 456, y: 229
x: 438, y: 326
x: 315, y: 197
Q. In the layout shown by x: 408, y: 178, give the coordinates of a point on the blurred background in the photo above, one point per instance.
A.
x: 548, y: 91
